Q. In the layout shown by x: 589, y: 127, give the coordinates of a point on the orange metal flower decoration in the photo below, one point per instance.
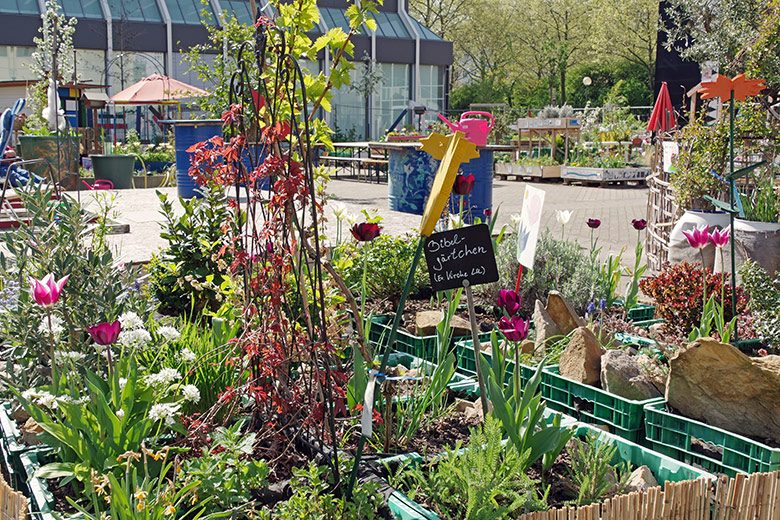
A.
x: 722, y: 88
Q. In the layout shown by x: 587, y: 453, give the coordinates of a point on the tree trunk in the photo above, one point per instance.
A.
x: 563, y: 83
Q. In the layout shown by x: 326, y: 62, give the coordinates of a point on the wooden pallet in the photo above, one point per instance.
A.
x: 524, y: 178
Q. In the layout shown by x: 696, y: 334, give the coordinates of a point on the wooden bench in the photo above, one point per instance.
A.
x: 356, y: 165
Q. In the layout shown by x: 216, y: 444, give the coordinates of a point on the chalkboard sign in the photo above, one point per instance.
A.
x: 461, y: 254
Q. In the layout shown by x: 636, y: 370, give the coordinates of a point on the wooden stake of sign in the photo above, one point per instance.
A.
x: 477, y: 346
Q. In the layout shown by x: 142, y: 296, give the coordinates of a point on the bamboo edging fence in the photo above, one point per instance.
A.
x: 745, y: 497
x: 13, y: 504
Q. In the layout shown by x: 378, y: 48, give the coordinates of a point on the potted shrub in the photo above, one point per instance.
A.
x: 757, y: 236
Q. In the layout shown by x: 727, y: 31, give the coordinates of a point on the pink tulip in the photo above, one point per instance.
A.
x: 105, y: 333
x: 509, y: 300
x: 514, y: 328
x: 698, y: 237
x: 720, y: 237
x: 47, y: 292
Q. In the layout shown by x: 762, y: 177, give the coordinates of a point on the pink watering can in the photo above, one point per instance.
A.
x: 476, y: 129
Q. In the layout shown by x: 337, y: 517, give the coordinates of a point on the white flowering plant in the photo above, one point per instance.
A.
x: 93, y: 420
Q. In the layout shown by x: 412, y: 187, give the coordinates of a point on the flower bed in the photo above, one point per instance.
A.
x: 715, y: 449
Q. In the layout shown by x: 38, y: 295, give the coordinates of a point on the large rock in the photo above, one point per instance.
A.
x: 622, y: 374
x: 544, y: 325
x: 641, y: 479
x: 581, y: 360
x: 563, y: 313
x: 425, y: 322
x: 716, y: 383
x: 460, y: 327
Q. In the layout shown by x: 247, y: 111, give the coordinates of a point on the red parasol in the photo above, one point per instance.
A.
x: 662, y: 119
x: 156, y: 89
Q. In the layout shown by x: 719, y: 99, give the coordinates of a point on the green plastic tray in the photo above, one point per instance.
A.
x: 464, y: 352
x: 624, y: 417
x: 41, y: 499
x: 410, y: 361
x: 423, y: 347
x: 11, y: 446
x: 641, y: 312
x: 715, y: 449
x: 639, y: 341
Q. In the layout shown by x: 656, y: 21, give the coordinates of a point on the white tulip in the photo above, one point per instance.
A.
x: 455, y: 221
x: 339, y: 210
x: 563, y: 216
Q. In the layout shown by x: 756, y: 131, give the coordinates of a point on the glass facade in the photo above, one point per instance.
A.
x: 130, y: 67
x: 189, y: 11
x: 15, y: 63
x: 90, y: 65
x: 333, y: 18
x: 239, y: 8
x: 82, y: 8
x: 390, y: 25
x: 19, y: 7
x: 391, y: 97
x: 432, y: 87
x: 348, y: 111
x: 135, y: 10
x: 182, y: 72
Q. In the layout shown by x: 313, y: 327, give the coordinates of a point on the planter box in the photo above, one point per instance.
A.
x: 639, y: 341
x: 42, y: 502
x: 542, y: 172
x: 582, y: 173
x: 423, y: 347
x: 464, y: 352
x: 624, y: 417
x: 410, y: 361
x: 713, y: 448
x: 12, y: 448
x: 664, y: 468
x: 148, y: 181
x: 61, y: 154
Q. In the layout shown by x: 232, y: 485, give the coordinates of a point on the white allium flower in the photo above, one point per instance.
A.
x: 122, y: 383
x: 56, y: 326
x: 339, y: 209
x: 46, y: 400
x: 130, y: 321
x: 165, y: 412
x: 165, y: 377
x: 187, y: 355
x: 169, y: 333
x: 191, y: 393
x: 135, y: 338
x: 30, y: 394
x: 70, y: 356
x: 120, y: 414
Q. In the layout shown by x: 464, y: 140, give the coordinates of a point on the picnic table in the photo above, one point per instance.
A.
x: 357, y: 160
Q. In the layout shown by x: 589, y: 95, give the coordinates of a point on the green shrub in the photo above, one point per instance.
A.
x: 764, y: 300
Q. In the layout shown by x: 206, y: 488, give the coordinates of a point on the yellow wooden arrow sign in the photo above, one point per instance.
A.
x: 451, y: 150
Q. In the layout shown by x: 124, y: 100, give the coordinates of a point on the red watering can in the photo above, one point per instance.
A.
x: 476, y: 129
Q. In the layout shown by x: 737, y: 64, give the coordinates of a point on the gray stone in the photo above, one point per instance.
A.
x: 716, y: 383
x: 425, y: 322
x: 641, y: 479
x: 563, y: 313
x: 621, y: 374
x: 581, y: 360
x: 460, y: 326
x: 30, y: 430
x: 544, y: 325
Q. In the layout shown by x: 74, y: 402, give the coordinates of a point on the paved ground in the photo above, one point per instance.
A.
x: 614, y: 206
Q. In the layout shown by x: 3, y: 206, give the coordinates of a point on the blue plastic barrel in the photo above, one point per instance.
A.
x: 187, y: 133
x: 481, y: 197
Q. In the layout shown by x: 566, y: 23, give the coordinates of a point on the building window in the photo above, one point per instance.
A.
x: 90, y: 66
x: 16, y: 63
x: 82, y: 8
x: 238, y: 8
x: 334, y: 17
x: 389, y: 25
x: 391, y: 97
x: 135, y: 10
x: 189, y: 11
x: 432, y: 87
x: 19, y: 7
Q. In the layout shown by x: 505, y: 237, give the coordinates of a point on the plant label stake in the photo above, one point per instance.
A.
x: 737, y: 89
x: 451, y: 150
x: 462, y: 258
x: 528, y: 230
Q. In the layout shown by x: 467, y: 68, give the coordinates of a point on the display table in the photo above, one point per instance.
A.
x: 411, y: 172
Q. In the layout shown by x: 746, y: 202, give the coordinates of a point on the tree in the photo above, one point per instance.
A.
x: 628, y: 30
x: 441, y: 16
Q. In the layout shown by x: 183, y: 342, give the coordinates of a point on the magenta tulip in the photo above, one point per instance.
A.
x: 514, y: 328
x: 719, y: 237
x: 47, y: 292
x: 639, y: 224
x: 365, y: 231
x: 593, y: 223
x: 463, y: 184
x: 509, y: 300
x: 698, y: 237
x: 105, y: 333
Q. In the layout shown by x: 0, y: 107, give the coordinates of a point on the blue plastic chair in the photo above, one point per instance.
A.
x: 12, y: 173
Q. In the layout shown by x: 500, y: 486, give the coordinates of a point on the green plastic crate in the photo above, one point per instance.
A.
x: 726, y: 452
x: 646, y: 324
x: 11, y: 446
x: 624, y: 417
x: 424, y: 347
x: 41, y: 501
x: 464, y: 353
x: 410, y: 361
x: 639, y: 341
x: 641, y: 312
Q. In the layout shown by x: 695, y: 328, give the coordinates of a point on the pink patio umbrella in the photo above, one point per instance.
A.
x: 662, y: 118
x: 156, y: 90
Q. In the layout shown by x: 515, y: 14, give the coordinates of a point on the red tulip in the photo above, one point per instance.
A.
x: 699, y: 237
x: 365, y: 231
x: 105, y: 333
x: 463, y: 184
x: 514, y: 328
x: 594, y: 223
x: 47, y: 292
x: 509, y: 300
x: 639, y: 224
x: 719, y: 237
